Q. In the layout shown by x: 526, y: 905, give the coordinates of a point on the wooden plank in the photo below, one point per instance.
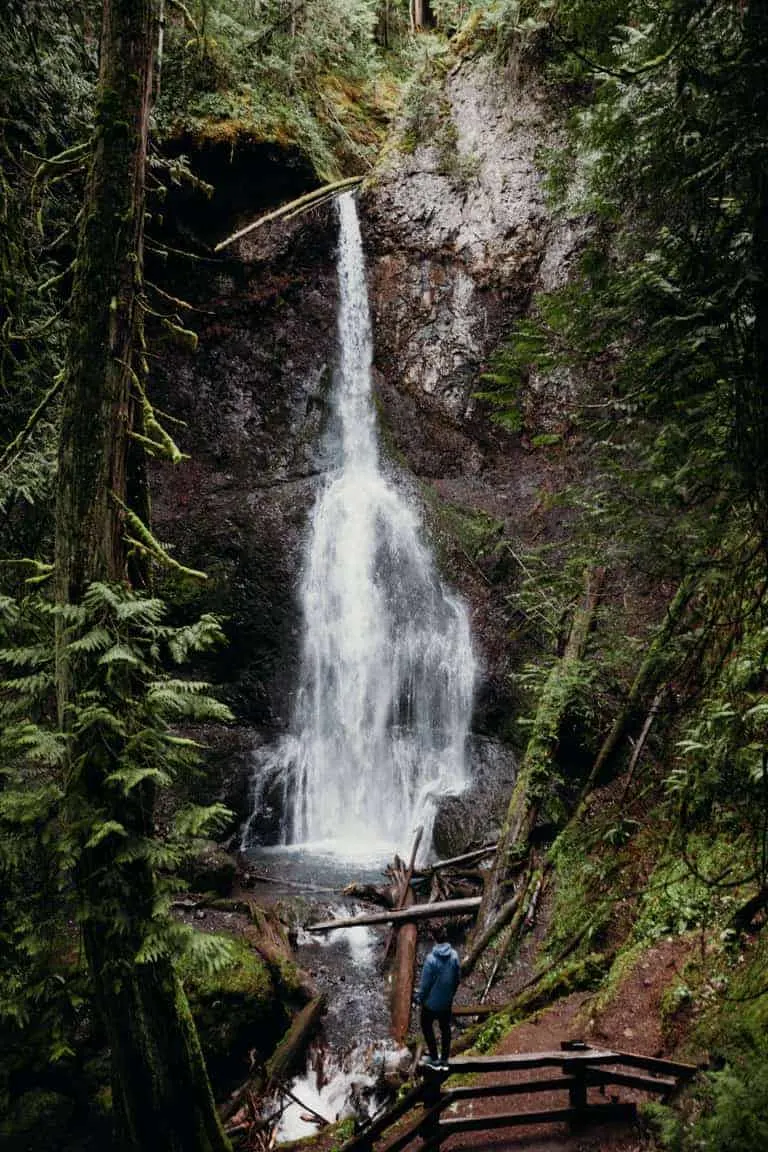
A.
x: 516, y: 1061
x: 417, y: 912
x: 654, y: 1064
x: 594, y: 1114
x: 518, y: 1088
x: 386, y: 1119
x: 630, y: 1080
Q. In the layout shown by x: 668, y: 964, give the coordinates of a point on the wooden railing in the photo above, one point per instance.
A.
x: 580, y: 1066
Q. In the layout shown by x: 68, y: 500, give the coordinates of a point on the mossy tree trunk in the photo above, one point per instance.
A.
x: 161, y: 1095
x: 535, y: 778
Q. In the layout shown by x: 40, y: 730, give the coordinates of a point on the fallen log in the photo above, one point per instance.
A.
x: 372, y: 894
x: 417, y: 912
x: 465, y: 858
x: 294, y: 207
x: 285, y: 1058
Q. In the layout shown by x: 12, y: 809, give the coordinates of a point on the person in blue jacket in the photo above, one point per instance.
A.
x: 439, y: 980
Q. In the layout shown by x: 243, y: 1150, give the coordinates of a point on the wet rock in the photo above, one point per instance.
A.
x: 475, y: 816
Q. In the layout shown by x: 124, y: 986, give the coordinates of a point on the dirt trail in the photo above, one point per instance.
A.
x: 632, y: 1022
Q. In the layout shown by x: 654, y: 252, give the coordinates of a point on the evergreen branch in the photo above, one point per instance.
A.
x: 642, y: 69
x: 13, y: 450
x: 148, y: 544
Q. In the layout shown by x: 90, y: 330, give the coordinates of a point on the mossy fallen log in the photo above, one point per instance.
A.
x: 550, y: 986
x: 286, y: 1057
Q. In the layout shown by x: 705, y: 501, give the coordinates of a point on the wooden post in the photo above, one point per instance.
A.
x: 577, y: 1089
x: 432, y: 1091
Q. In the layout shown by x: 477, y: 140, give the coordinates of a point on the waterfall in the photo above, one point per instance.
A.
x: 385, y: 694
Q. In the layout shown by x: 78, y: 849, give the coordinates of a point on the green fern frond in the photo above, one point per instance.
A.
x: 129, y: 778
x: 194, y: 821
x: 108, y: 828
x: 121, y: 654
x: 33, y: 656
x: 96, y: 640
x: 29, y: 686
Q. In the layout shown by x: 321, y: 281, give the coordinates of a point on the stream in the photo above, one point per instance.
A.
x: 345, y: 1067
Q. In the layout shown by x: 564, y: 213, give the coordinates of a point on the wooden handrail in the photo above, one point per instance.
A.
x: 581, y: 1068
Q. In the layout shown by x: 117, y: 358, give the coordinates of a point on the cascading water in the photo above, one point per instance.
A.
x: 383, y: 707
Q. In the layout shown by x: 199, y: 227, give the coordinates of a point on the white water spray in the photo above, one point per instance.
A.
x: 384, y: 703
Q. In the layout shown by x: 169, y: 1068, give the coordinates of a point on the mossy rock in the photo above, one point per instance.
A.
x: 237, y: 1010
x: 210, y: 869
x: 38, y: 1119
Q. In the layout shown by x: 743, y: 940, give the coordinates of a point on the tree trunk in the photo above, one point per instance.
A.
x: 404, y: 968
x: 162, y: 1098
x: 537, y: 763
x: 285, y: 1059
x: 422, y: 15
x: 647, y: 677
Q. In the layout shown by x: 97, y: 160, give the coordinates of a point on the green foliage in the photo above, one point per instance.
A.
x: 121, y: 649
x: 491, y: 1033
x: 47, y: 69
x: 298, y: 75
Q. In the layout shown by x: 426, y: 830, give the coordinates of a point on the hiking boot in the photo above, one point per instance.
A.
x: 431, y: 1062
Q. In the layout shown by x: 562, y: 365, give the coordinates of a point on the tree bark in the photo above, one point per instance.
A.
x: 162, y: 1098
x: 291, y: 1048
x: 404, y: 967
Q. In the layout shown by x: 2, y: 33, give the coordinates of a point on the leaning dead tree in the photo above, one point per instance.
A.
x: 295, y: 208
x: 647, y: 678
x: 405, y: 937
x: 534, y: 778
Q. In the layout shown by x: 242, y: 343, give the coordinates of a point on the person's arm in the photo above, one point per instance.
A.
x: 427, y: 980
x: 456, y: 972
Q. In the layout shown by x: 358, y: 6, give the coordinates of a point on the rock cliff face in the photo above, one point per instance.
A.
x: 456, y: 245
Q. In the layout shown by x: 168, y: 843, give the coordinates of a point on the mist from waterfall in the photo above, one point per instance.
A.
x: 387, y: 673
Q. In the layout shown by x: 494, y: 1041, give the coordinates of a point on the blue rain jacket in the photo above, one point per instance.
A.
x: 439, y: 978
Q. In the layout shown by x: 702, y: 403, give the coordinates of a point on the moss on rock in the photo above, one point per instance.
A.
x: 237, y: 1010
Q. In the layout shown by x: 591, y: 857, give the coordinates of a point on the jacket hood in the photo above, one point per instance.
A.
x: 442, y: 950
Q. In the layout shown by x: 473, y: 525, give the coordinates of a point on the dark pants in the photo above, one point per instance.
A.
x: 428, y: 1018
